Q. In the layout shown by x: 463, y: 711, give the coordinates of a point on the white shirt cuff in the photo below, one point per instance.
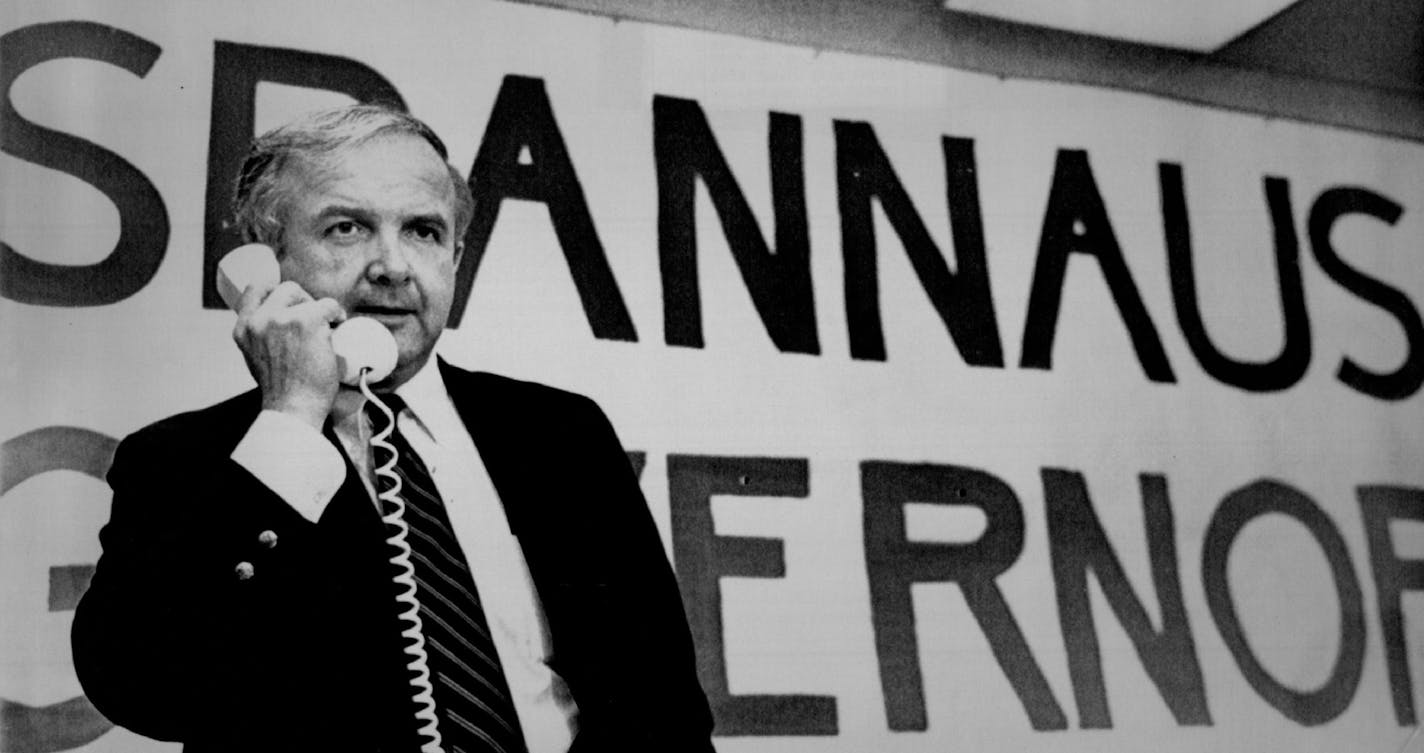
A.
x: 294, y: 460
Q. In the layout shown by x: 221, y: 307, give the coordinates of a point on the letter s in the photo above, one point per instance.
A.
x: 1333, y: 204
x: 143, y: 220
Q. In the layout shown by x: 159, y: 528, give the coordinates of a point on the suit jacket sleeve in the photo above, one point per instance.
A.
x: 172, y: 642
x: 158, y: 635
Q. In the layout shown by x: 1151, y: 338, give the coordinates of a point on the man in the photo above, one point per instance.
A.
x: 244, y: 599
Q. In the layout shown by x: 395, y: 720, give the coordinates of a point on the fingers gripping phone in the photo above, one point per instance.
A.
x: 361, y: 343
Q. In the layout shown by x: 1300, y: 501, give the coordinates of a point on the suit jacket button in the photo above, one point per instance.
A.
x: 244, y: 570
x: 268, y: 539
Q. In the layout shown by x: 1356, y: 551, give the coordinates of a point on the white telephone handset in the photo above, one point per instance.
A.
x: 361, y: 343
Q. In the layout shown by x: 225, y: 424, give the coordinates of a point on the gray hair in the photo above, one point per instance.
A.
x: 262, y: 186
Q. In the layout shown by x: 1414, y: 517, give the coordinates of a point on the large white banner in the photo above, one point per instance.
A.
x: 976, y: 414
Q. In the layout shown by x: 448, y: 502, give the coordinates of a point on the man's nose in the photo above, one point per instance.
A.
x: 389, y: 263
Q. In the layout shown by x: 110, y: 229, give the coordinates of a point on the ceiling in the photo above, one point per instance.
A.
x: 1202, y: 26
x: 1353, y: 64
x: 1373, y: 43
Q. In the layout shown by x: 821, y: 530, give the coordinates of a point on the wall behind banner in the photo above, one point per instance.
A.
x: 975, y: 413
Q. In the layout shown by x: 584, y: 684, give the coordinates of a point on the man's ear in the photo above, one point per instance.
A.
x: 459, y: 251
x: 277, y: 244
x: 279, y: 250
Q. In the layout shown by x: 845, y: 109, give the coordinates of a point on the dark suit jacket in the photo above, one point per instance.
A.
x: 171, y: 643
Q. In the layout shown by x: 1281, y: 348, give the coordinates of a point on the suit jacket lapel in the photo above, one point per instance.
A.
x: 500, y: 436
x: 507, y: 444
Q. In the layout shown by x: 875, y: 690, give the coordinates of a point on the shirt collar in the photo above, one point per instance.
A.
x: 424, y: 394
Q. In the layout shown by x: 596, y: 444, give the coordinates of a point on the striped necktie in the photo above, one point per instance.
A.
x: 472, y: 698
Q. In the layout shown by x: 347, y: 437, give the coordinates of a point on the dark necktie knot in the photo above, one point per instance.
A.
x: 377, y: 417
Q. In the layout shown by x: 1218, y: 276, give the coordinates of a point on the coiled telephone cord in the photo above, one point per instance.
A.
x: 413, y: 630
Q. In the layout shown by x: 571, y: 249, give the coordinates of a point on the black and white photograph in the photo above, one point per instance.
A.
x: 615, y: 376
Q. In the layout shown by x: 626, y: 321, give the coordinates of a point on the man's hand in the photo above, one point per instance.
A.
x: 285, y: 336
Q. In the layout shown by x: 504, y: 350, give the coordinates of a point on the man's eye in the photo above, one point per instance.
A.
x: 428, y: 234
x: 343, y: 229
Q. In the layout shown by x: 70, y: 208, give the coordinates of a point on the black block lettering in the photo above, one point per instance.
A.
x: 894, y: 564
x: 523, y: 119
x: 779, y: 279
x: 961, y: 298
x: 1290, y: 364
x: 74, y: 722
x: 1380, y: 506
x: 1077, y: 222
x: 1330, y: 207
x: 143, y: 219
x: 1078, y: 545
x: 1310, y: 707
x: 703, y: 558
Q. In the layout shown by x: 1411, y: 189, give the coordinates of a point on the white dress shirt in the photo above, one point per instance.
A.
x: 305, y: 470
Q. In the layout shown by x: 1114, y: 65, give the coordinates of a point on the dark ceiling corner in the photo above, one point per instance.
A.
x: 1352, y: 64
x: 1373, y: 43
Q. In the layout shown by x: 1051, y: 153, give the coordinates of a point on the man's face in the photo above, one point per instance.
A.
x: 373, y: 226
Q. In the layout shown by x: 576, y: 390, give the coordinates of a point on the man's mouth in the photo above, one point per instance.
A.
x: 387, y: 315
x: 379, y: 312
